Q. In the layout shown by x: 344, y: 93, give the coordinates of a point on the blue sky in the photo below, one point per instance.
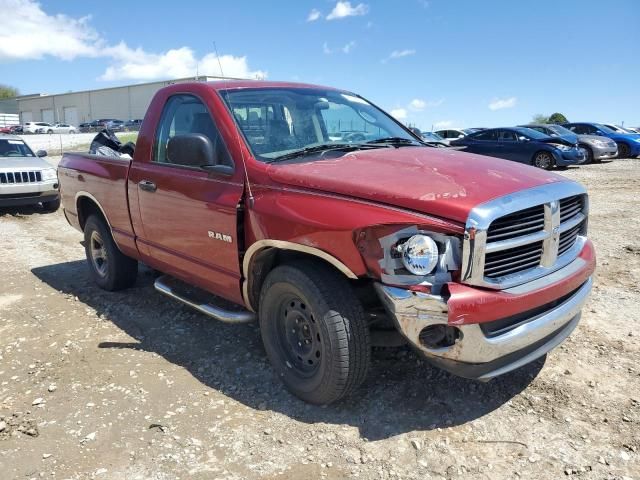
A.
x: 431, y: 62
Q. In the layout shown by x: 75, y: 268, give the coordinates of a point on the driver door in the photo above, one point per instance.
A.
x: 189, y: 216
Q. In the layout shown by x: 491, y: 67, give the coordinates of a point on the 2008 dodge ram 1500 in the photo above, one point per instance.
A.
x: 321, y: 216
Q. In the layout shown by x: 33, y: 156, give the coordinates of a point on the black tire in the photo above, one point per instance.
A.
x: 623, y: 150
x: 543, y: 159
x: 50, y: 132
x: 589, y: 153
x: 110, y: 268
x: 314, y: 331
x: 51, y: 206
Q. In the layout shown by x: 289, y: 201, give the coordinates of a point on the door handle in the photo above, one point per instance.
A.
x: 147, y: 186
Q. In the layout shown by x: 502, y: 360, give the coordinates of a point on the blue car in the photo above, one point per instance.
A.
x: 523, y: 145
x: 628, y: 143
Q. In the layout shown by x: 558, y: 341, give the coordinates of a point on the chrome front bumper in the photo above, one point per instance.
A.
x: 476, y: 354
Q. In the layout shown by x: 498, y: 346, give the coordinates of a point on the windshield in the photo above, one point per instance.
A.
x: 604, y: 128
x: 531, y: 133
x: 561, y: 130
x: 14, y: 148
x: 280, y: 121
x: 432, y: 136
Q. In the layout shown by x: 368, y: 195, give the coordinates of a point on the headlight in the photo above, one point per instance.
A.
x: 49, y: 174
x: 419, y: 254
x: 561, y: 146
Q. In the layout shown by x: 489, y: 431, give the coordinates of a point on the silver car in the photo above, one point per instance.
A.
x: 596, y: 148
x: 25, y: 178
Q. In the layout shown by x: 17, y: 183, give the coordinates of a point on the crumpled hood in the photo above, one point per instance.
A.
x: 23, y: 163
x: 434, y: 181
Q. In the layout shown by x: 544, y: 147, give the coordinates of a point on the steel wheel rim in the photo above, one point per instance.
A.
x: 299, y: 336
x: 98, y: 252
x: 543, y: 160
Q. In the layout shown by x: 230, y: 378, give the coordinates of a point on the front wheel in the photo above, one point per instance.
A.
x: 315, y: 332
x: 110, y: 268
x: 543, y: 160
x: 623, y: 150
x: 588, y: 153
x: 50, y: 132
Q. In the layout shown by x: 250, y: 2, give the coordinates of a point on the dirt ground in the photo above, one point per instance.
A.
x: 131, y: 385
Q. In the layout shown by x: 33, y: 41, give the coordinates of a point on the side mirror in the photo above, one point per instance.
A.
x: 41, y: 153
x: 523, y: 139
x: 460, y: 136
x: 195, y: 150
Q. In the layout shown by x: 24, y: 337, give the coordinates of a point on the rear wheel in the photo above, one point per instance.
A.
x: 543, y: 159
x: 110, y: 268
x: 623, y: 150
x: 314, y: 331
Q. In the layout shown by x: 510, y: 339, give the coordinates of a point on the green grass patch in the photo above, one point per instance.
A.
x: 125, y: 137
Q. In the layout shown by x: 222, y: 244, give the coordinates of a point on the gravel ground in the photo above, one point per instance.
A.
x: 131, y: 385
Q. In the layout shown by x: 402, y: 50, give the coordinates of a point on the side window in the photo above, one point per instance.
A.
x: 486, y: 136
x: 507, y: 136
x: 184, y: 114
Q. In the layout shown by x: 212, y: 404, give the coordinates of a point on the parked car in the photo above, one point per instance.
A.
x: 596, y: 148
x: 628, y: 143
x: 114, y: 125
x: 34, y: 127
x: 618, y: 128
x: 5, y: 129
x: 58, y: 128
x: 466, y: 257
x: 133, y: 125
x: 633, y: 129
x: 523, y: 145
x: 451, y: 134
x: 85, y: 127
x: 434, y: 139
x: 16, y: 129
x: 25, y: 178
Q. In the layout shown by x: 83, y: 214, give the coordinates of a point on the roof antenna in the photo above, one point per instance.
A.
x: 244, y: 163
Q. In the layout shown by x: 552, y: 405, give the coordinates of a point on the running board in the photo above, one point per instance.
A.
x: 228, y: 316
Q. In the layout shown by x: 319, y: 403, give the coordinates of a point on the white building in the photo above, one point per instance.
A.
x: 122, y: 103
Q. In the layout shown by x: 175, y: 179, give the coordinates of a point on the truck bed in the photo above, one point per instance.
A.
x: 103, y: 180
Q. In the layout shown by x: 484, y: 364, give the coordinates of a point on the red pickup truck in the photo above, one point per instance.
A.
x: 315, y: 213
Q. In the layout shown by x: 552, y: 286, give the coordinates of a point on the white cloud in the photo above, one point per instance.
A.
x: 344, y: 9
x: 443, y: 124
x: 325, y: 49
x: 30, y: 33
x: 348, y: 47
x: 181, y: 62
x: 500, y: 103
x: 417, y: 104
x: 314, y: 15
x: 399, y: 113
x: 399, y: 54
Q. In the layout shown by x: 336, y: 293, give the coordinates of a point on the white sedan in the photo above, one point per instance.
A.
x: 58, y: 128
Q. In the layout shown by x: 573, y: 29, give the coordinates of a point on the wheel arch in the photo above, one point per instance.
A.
x: 86, y: 205
x: 264, y: 255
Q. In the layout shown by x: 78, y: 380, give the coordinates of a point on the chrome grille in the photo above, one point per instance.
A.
x: 504, y: 262
x: 20, y: 177
x: 525, y: 235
